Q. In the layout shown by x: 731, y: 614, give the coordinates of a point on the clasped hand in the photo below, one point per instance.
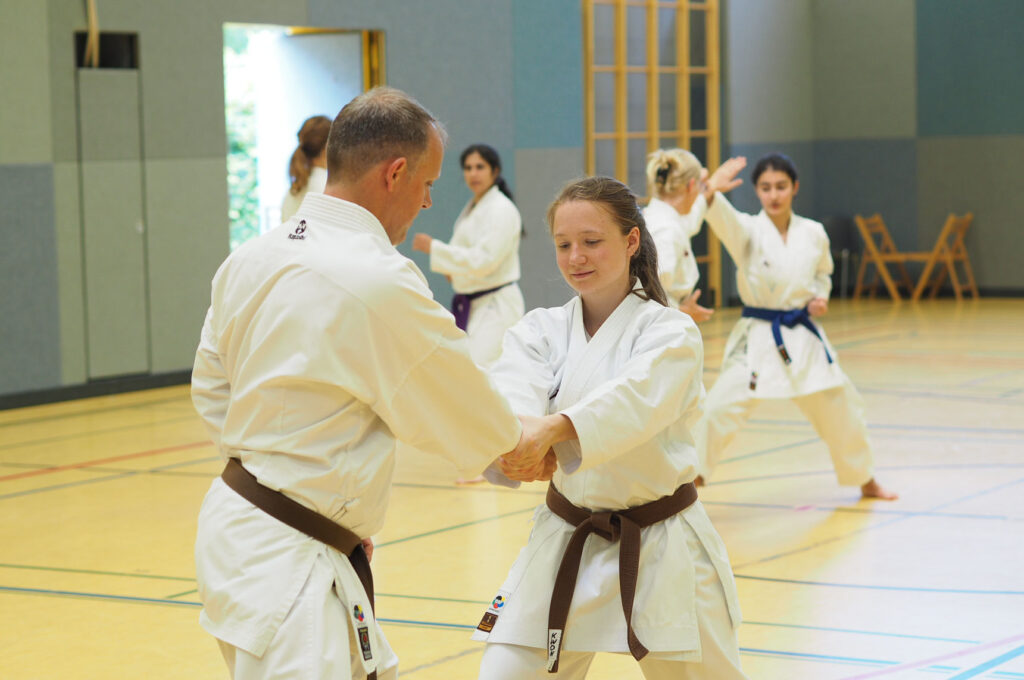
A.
x: 534, y: 459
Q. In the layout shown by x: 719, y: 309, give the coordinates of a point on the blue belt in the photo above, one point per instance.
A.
x: 790, y: 319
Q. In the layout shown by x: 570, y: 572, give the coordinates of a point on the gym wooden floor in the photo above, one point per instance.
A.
x: 98, y: 500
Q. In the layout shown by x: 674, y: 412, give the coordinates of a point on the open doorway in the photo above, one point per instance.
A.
x: 274, y: 78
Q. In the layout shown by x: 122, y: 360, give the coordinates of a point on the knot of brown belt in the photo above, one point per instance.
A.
x: 611, y: 525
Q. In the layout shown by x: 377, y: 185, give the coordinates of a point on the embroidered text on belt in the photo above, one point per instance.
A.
x: 789, y: 319
x: 299, y: 517
x: 461, y: 303
x: 615, y: 525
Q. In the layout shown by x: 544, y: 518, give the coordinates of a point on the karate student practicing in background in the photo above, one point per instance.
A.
x: 675, y: 215
x: 612, y: 381
x: 322, y: 346
x: 775, y: 351
x: 308, y: 166
x: 482, y: 259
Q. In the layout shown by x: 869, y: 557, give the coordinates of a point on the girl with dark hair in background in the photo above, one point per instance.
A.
x: 776, y: 351
x: 609, y: 384
x: 308, y: 166
x: 482, y: 258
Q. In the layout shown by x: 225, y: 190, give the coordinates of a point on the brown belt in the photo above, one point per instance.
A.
x: 301, y: 518
x: 624, y: 525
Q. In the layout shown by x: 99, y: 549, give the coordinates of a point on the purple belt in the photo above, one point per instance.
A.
x: 461, y: 303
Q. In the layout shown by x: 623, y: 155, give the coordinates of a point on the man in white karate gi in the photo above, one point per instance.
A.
x: 322, y: 346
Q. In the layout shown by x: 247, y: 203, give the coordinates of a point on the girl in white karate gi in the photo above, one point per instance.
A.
x: 611, y: 382
x: 675, y: 215
x: 775, y: 351
x: 307, y: 168
x: 482, y: 259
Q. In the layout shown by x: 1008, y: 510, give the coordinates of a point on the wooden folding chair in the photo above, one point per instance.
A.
x: 948, y: 251
x: 880, y: 254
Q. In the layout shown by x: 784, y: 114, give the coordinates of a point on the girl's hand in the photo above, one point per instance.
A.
x: 421, y: 242
x: 724, y: 178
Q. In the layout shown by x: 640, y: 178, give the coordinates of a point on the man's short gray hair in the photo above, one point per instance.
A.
x: 378, y: 125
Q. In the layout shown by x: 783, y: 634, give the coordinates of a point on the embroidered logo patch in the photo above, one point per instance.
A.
x: 357, y: 611
x: 364, y: 643
x: 554, y: 648
x: 753, y: 380
x: 486, y: 624
x: 300, y: 231
x: 498, y: 602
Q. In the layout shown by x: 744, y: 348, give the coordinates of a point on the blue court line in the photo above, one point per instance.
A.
x: 937, y: 395
x: 434, y: 624
x: 986, y: 378
x: 90, y: 433
x: 878, y: 338
x: 453, y: 527
x: 1011, y: 393
x: 853, y: 631
x: 90, y: 412
x: 884, y: 468
x: 873, y: 510
x: 988, y: 665
x: 56, y: 487
x: 896, y: 426
x: 914, y: 589
x: 774, y: 449
x: 878, y: 525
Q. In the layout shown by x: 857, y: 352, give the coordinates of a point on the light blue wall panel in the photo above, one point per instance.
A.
x: 29, y: 316
x: 865, y: 81
x: 187, y: 231
x: 540, y: 174
x: 980, y: 175
x: 970, y: 62
x: 25, y: 135
x: 865, y: 177
x: 548, y: 46
x: 768, y: 71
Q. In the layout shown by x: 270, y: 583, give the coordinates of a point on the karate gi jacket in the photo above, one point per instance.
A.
x: 781, y: 275
x: 484, y: 250
x: 633, y: 391
x: 677, y: 263
x: 321, y: 347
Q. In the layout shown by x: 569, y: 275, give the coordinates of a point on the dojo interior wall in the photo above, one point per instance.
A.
x: 913, y: 109
x: 483, y: 68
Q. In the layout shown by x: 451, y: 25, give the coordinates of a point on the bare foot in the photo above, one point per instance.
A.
x: 466, y: 482
x: 873, y: 489
x: 699, y: 481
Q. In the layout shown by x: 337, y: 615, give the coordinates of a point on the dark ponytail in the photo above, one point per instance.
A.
x: 620, y: 203
x: 491, y: 157
x: 312, y: 140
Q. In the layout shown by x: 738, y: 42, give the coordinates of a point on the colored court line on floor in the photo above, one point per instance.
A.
x: 879, y: 338
x: 466, y: 627
x: 898, y: 426
x: 878, y: 525
x: 467, y: 487
x: 944, y: 657
x: 936, y: 395
x: 870, y: 510
x: 92, y: 412
x: 864, y: 586
x: 455, y: 526
x: 100, y: 461
x: 774, y: 449
x: 94, y: 572
x: 83, y: 482
x: 92, y: 433
x: 989, y: 665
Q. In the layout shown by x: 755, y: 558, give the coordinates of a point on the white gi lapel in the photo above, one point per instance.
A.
x: 585, y: 357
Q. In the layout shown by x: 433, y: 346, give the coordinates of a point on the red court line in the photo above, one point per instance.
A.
x: 101, y: 461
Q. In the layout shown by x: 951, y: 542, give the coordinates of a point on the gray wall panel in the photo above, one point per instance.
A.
x: 29, y: 318
x: 68, y: 210
x: 768, y: 54
x: 540, y: 173
x: 109, y: 133
x: 187, y: 208
x: 24, y: 72
x: 865, y: 177
x: 979, y: 175
x: 865, y: 78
